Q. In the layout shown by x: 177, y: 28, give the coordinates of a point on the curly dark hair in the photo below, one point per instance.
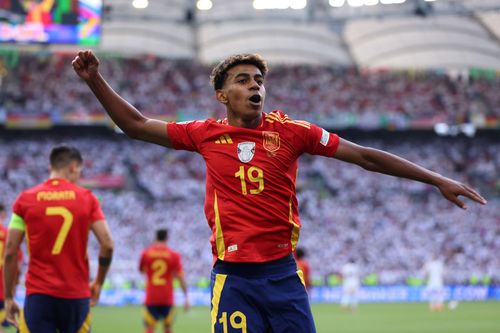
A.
x: 219, y: 73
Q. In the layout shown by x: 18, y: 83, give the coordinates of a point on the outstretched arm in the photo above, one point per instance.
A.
x: 380, y: 161
x: 126, y: 116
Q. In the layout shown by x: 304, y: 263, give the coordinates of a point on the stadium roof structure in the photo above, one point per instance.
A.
x: 366, y: 33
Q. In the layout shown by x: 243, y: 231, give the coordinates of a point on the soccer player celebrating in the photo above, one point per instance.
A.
x: 56, y: 217
x: 161, y: 265
x: 251, y: 204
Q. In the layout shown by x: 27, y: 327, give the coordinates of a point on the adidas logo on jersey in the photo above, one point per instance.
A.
x: 224, y: 139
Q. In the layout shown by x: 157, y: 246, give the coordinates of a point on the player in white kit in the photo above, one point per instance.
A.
x: 434, y: 271
x: 350, y: 286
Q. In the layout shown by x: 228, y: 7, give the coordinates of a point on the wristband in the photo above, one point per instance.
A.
x: 103, y: 261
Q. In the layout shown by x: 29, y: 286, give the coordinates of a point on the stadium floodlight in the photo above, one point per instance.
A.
x: 140, y: 4
x: 298, y: 4
x: 204, y: 4
x: 355, y: 3
x: 279, y: 4
x: 337, y: 3
x: 370, y: 2
x: 390, y: 2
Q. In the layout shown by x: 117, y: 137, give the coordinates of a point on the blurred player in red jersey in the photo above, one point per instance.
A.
x: 56, y: 217
x: 251, y: 205
x: 161, y: 265
x: 303, y: 266
x: 3, y: 238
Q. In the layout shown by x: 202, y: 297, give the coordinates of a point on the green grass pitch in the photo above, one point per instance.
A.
x: 468, y: 317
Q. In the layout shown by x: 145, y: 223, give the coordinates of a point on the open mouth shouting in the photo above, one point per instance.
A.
x: 255, y: 100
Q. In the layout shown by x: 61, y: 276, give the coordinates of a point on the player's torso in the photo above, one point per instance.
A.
x: 161, y: 264
x: 250, y: 189
x: 56, y: 215
x: 244, y: 161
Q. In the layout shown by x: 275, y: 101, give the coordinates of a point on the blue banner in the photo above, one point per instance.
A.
x: 378, y: 294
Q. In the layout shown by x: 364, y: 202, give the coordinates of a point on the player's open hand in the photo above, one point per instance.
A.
x: 452, y: 189
x: 86, y: 64
x: 11, y: 312
x: 95, y: 293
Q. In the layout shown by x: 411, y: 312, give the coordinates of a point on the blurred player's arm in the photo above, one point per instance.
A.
x: 142, y: 263
x: 11, y: 272
x: 130, y: 120
x: 182, y: 281
x: 103, y: 235
x: 380, y: 161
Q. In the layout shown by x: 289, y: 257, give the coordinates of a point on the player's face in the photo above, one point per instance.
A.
x: 243, y: 92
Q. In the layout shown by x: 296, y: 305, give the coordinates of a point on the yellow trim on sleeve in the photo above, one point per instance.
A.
x: 17, y: 222
x: 220, y: 279
x: 219, y: 236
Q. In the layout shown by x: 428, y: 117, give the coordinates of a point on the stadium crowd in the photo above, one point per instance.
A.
x: 366, y: 99
x: 390, y: 226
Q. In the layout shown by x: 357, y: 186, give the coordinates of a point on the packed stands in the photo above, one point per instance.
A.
x: 391, y: 226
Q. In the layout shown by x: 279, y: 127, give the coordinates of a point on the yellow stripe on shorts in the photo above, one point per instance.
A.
x: 23, y: 327
x: 170, y: 318
x: 86, y: 324
x: 220, y: 279
x: 149, y: 319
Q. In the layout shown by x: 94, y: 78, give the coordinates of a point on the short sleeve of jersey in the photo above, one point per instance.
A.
x: 17, y: 207
x: 96, y: 213
x: 318, y: 141
x: 186, y: 135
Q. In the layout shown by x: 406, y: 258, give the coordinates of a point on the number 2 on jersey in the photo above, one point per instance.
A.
x: 66, y: 225
x: 159, y: 267
x: 255, y: 175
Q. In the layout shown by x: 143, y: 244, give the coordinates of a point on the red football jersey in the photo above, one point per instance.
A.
x: 3, y: 244
x: 161, y: 264
x: 57, y: 216
x: 250, y: 202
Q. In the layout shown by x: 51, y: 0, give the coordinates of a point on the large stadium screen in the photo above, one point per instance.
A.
x: 51, y: 21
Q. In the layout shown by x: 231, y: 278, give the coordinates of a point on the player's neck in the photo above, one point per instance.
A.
x: 239, y: 121
x: 59, y: 175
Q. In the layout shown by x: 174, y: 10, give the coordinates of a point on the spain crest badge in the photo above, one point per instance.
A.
x: 271, y: 141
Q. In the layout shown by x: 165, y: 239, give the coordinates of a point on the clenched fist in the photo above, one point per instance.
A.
x: 86, y: 65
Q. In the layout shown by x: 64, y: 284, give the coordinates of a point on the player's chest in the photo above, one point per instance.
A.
x: 269, y: 150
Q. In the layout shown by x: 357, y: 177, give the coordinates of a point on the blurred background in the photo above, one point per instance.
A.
x: 417, y: 78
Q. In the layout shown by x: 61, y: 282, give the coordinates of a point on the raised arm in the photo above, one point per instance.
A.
x: 130, y: 120
x: 101, y: 231
x: 380, y: 161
